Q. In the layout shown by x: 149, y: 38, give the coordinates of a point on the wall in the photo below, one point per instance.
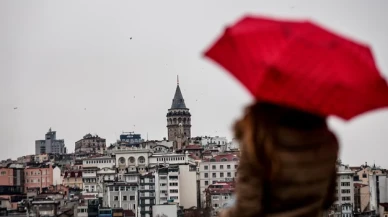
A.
x: 170, y: 210
x: 187, y: 186
x: 57, y: 179
x: 6, y: 176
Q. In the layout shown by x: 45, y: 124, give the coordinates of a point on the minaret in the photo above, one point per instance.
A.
x: 178, y: 120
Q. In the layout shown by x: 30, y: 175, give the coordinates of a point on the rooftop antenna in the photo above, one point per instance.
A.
x: 177, y: 79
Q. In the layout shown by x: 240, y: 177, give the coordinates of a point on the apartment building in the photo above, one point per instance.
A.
x: 167, y: 185
x: 187, y: 175
x: 220, y: 168
x: 50, y: 144
x: 73, y: 179
x: 378, y: 184
x: 92, y: 177
x: 146, y: 194
x: 344, y: 206
x: 218, y: 195
x: 12, y: 175
x: 90, y: 144
x: 121, y: 195
x: 41, y: 176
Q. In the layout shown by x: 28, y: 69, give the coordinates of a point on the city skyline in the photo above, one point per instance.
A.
x: 93, y: 72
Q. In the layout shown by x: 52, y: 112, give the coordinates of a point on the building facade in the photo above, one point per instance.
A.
x: 379, y: 191
x: 92, y: 177
x: 218, y: 195
x: 146, y: 194
x: 73, y: 179
x: 121, y: 195
x: 50, y: 144
x: 90, y: 144
x: 220, y: 168
x: 39, y: 177
x: 12, y: 175
x: 344, y: 206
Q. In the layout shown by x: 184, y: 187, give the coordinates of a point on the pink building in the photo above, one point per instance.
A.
x: 6, y: 176
x: 41, y: 176
x: 12, y: 175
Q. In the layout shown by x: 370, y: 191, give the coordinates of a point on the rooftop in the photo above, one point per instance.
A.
x: 223, y: 157
x: 193, y: 147
x: 178, y: 102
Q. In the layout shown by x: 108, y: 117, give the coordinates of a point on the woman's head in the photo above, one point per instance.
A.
x: 257, y: 128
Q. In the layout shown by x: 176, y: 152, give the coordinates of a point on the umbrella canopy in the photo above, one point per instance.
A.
x: 301, y: 65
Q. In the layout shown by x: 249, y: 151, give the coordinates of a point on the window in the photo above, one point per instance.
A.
x: 206, y: 167
x: 141, y: 160
x: 345, y: 198
x: 213, y: 167
x: 364, y: 175
x: 228, y: 167
x: 173, y: 184
x: 206, y: 175
x: 221, y: 175
x: 174, y: 191
x: 206, y: 183
x: 116, y: 198
x: 131, y: 197
x: 229, y: 174
x: 221, y: 167
x: 215, y: 198
x: 214, y: 175
x: 124, y: 197
x: 345, y: 183
x: 235, y: 166
x: 224, y: 159
x: 345, y: 191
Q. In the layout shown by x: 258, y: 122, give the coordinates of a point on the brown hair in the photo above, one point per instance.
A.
x: 256, y: 132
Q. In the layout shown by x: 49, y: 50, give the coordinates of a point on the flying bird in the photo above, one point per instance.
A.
x: 15, y: 108
x: 130, y: 38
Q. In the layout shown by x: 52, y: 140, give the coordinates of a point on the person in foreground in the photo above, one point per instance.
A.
x: 287, y: 165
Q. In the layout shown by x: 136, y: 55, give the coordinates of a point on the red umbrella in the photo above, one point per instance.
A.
x: 302, y: 65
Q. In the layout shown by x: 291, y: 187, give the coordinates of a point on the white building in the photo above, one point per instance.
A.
x: 207, y: 140
x: 220, y: 168
x: 167, y: 185
x: 233, y: 145
x: 378, y: 184
x: 345, y: 192
x: 187, y: 181
x: 132, y: 159
x: 94, y: 170
x: 121, y: 195
x: 170, y: 159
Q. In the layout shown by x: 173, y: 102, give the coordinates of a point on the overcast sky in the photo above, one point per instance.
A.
x: 72, y: 66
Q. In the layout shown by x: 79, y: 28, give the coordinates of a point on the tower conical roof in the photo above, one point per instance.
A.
x: 178, y: 102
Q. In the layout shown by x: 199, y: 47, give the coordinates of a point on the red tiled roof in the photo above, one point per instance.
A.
x: 194, y: 157
x: 193, y: 147
x: 223, y: 157
x: 221, y: 188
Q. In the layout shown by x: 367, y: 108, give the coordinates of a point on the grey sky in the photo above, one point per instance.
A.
x: 59, y: 57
